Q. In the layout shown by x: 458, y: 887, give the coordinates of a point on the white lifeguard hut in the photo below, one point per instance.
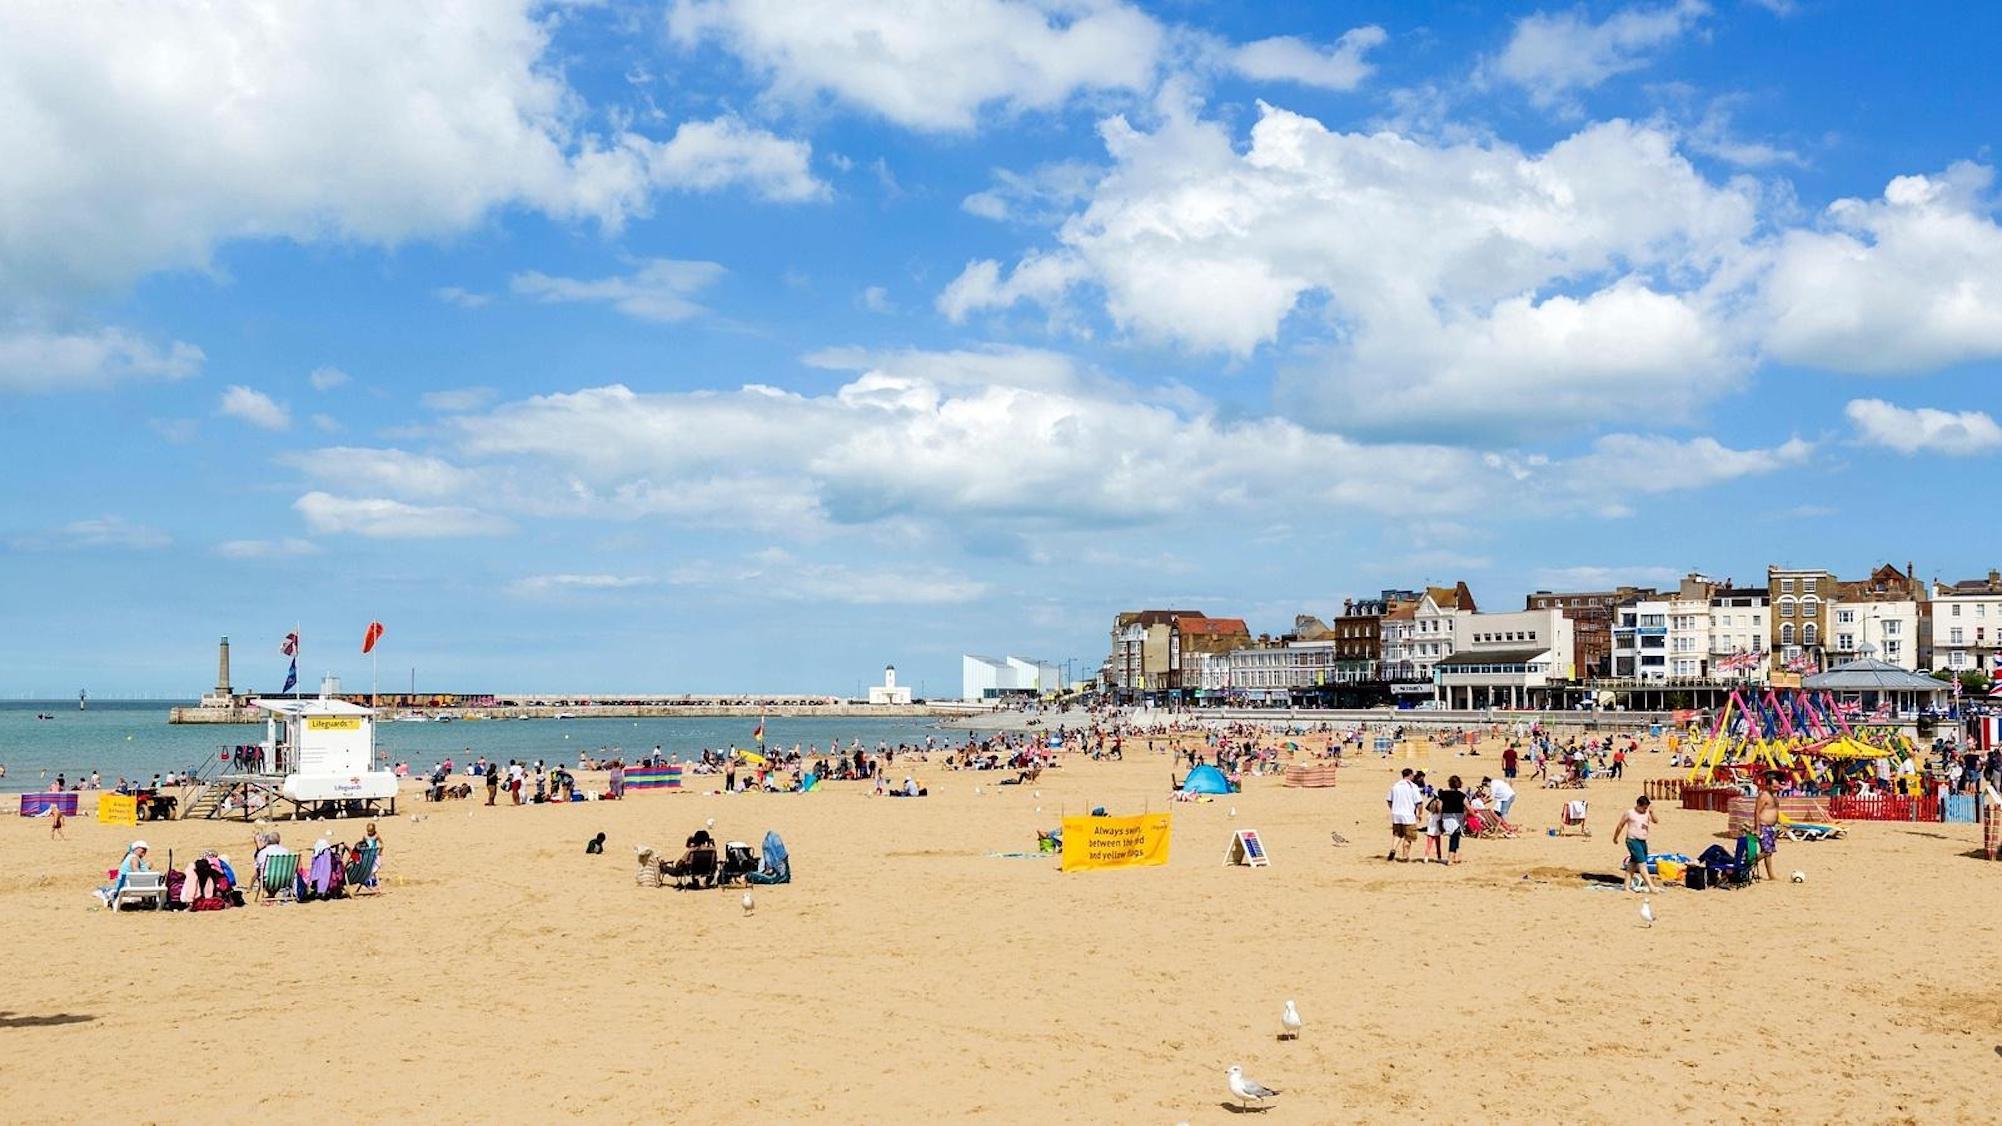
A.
x: 325, y: 750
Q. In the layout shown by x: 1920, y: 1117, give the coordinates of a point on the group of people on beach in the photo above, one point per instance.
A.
x: 1444, y: 815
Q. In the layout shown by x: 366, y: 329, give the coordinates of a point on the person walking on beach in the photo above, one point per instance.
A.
x: 1634, y: 827
x: 56, y: 825
x: 1403, y: 801
x: 1452, y: 802
x: 1508, y: 761
x: 493, y: 782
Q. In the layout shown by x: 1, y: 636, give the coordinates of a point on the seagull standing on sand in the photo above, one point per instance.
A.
x: 1290, y: 1021
x: 1248, y: 1088
x: 1647, y: 912
x: 750, y: 904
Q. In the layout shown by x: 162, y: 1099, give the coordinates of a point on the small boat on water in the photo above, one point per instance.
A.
x: 410, y: 717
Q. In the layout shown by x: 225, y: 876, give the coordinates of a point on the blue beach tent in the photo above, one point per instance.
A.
x: 1206, y: 780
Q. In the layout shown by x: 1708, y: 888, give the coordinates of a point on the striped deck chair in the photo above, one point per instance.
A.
x: 361, y: 870
x: 275, y: 882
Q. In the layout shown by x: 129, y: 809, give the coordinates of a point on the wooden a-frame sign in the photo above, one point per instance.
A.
x: 1247, y: 849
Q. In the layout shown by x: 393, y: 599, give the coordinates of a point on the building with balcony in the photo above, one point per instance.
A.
x: 1738, y: 634
x: 1966, y: 621
x: 1512, y: 660
x: 1886, y: 617
x: 1591, y: 614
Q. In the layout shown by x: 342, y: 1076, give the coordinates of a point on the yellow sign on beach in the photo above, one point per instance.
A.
x: 333, y: 723
x: 1115, y: 842
x: 117, y: 809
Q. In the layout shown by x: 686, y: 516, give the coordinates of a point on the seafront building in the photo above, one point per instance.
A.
x: 1626, y: 646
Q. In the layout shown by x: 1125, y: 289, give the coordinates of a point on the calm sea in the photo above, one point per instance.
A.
x: 134, y: 739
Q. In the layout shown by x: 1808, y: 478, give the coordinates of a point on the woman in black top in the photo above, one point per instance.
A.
x: 1452, y: 816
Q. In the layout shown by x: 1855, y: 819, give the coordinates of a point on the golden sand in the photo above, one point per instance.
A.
x: 907, y: 975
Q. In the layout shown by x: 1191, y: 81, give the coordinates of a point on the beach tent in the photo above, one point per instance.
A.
x: 1206, y: 780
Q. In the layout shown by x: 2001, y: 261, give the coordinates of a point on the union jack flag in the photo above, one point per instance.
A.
x: 290, y: 646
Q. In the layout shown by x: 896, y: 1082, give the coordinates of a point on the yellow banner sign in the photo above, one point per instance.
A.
x: 117, y: 809
x: 1115, y: 842
x: 333, y: 723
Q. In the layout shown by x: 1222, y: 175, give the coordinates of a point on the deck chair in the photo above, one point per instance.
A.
x: 275, y: 882
x: 696, y: 869
x: 361, y: 871
x: 141, y: 887
x: 1810, y: 830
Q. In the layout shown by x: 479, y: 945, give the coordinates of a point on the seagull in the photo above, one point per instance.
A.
x: 749, y: 903
x: 1647, y: 912
x: 711, y: 823
x: 1290, y: 1021
x: 1248, y: 1088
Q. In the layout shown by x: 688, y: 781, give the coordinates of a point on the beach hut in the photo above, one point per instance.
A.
x: 326, y: 750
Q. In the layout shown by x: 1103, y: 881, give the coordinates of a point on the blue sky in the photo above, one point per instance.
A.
x: 727, y: 345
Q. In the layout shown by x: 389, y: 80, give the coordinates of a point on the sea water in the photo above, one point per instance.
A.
x: 132, y: 738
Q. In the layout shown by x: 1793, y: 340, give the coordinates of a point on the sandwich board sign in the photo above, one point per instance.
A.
x: 1247, y: 849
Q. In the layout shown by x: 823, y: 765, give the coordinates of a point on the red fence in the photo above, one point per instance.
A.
x: 1665, y: 789
x: 1888, y: 808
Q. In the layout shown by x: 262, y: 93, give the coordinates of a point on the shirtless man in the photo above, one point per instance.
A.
x: 1766, y: 814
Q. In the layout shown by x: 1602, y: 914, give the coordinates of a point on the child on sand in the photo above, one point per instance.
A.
x: 56, y: 825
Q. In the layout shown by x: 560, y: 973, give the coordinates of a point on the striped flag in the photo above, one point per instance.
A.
x: 759, y: 733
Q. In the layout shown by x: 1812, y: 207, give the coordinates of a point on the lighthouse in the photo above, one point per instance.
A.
x: 220, y: 696
x: 888, y: 692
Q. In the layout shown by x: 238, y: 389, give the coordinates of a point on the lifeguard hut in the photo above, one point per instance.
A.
x: 317, y: 759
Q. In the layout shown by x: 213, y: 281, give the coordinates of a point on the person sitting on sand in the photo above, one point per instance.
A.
x: 595, y: 846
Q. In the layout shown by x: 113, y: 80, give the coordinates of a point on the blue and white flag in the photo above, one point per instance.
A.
x: 291, y: 676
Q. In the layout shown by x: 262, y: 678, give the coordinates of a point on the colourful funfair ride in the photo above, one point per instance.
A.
x: 1794, y: 732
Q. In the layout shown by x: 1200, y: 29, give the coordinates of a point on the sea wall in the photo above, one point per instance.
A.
x: 632, y: 711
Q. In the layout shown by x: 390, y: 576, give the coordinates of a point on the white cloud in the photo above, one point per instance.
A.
x: 540, y: 585
x: 1044, y: 194
x: 662, y: 289
x: 1622, y: 466
x: 1552, y: 54
x: 1908, y: 283
x: 267, y: 549
x: 298, y: 121
x: 395, y: 472
x: 326, y: 424
x: 34, y: 360
x: 254, y: 407
x: 113, y: 533
x: 1288, y: 59
x: 327, y: 378
x: 458, y: 399
x: 1558, y: 287
x: 1924, y: 429
x: 876, y: 299
x: 774, y: 573
x: 932, y: 65
x: 175, y: 431
x: 463, y: 298
x: 380, y: 518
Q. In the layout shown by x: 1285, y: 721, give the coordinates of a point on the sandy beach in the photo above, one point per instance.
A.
x: 909, y: 974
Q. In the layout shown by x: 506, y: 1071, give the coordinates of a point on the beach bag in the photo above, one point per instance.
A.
x: 1696, y: 877
x: 210, y: 903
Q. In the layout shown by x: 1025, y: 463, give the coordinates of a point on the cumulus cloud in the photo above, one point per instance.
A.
x: 775, y: 573
x: 662, y: 289
x: 1045, y: 194
x: 1552, y: 54
x: 1924, y: 429
x: 462, y: 297
x: 1286, y: 58
x: 395, y: 472
x: 293, y: 121
x: 932, y: 65
x: 381, y: 518
x: 267, y: 549
x: 1457, y: 282
x: 1910, y: 282
x: 36, y: 360
x: 250, y: 405
x: 1620, y: 467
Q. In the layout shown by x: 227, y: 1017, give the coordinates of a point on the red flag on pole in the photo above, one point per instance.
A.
x: 371, y: 636
x: 290, y: 646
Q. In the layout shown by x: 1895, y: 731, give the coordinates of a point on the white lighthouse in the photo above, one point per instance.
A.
x: 888, y: 692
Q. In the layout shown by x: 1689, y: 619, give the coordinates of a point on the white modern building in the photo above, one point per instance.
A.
x: 991, y: 678
x: 889, y: 692
x: 1262, y: 673
x: 1666, y: 636
x: 1511, y: 660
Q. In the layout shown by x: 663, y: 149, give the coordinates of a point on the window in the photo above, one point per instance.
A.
x: 1958, y: 659
x: 1892, y: 649
x: 1846, y: 617
x: 1786, y: 607
x: 1786, y: 634
x: 1956, y: 609
x: 1845, y: 641
x: 1786, y: 586
x: 1808, y: 584
x: 1955, y: 636
x: 1891, y: 628
x: 1808, y: 633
